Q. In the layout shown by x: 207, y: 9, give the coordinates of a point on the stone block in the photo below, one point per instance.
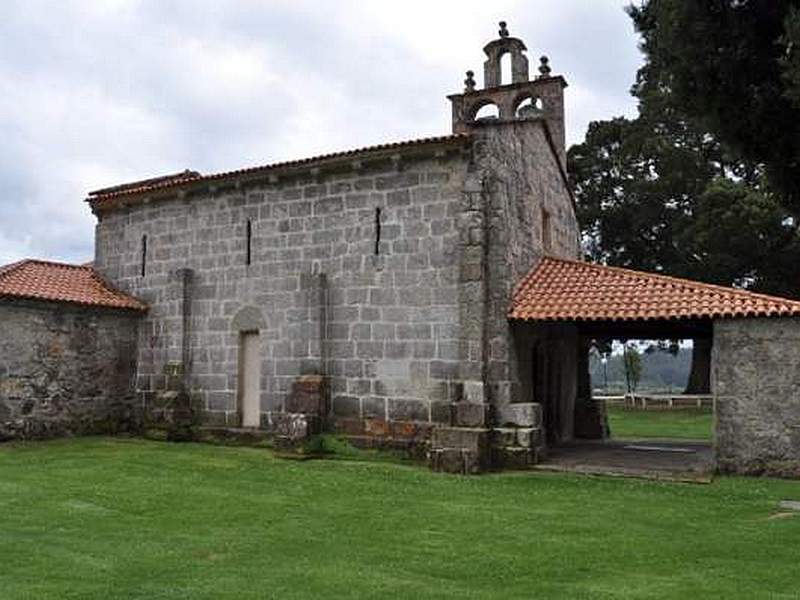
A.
x: 308, y: 396
x: 441, y: 413
x: 459, y: 461
x: 514, y: 457
x: 468, y: 414
x: 474, y: 392
x: 347, y: 426
x: 475, y: 440
x: 529, y: 437
x: 408, y: 410
x: 374, y: 408
x: 346, y: 406
x: 211, y: 418
x: 523, y: 414
x: 504, y: 437
x: 376, y: 427
x: 408, y: 430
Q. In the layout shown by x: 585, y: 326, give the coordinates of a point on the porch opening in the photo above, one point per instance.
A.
x: 624, y: 398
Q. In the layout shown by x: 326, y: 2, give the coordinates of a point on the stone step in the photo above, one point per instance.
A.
x: 468, y: 414
x: 472, y: 439
x: 461, y: 461
x: 522, y: 414
x: 525, y: 437
x: 516, y: 457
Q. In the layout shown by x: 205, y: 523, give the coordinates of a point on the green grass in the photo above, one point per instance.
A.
x: 684, y: 423
x: 114, y: 518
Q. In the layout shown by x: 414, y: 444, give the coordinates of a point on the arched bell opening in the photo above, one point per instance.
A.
x: 528, y: 106
x: 504, y: 68
x: 486, y: 111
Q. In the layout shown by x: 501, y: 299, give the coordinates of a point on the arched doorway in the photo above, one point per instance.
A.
x: 248, y: 323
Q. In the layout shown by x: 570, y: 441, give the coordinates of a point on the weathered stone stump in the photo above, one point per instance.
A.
x: 309, y: 396
x: 306, y: 408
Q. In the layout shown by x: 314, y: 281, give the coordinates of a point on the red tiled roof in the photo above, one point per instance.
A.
x: 174, y: 178
x: 566, y: 290
x: 188, y: 177
x: 59, y: 282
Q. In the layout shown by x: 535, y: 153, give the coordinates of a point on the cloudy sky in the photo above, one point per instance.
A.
x: 99, y: 92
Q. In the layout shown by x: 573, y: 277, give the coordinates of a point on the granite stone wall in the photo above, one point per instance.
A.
x: 391, y: 277
x: 756, y: 386
x: 353, y: 274
x: 525, y: 193
x: 65, y: 370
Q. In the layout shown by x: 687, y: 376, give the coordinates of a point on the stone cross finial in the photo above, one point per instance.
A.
x: 503, y: 30
x: 544, y: 67
x: 469, y: 82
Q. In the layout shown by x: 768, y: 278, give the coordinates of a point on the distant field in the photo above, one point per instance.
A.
x: 128, y: 519
x: 685, y: 423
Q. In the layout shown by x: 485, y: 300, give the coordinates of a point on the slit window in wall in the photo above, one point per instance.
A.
x: 144, y: 255
x: 248, y: 256
x: 546, y: 231
x: 377, y: 231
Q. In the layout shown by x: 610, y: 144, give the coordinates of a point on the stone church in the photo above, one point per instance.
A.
x: 428, y: 294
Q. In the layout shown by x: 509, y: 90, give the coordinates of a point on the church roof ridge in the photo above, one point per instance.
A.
x: 187, y: 177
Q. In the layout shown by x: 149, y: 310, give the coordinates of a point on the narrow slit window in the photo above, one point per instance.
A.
x: 144, y: 255
x: 377, y: 231
x: 546, y: 233
x: 249, y: 242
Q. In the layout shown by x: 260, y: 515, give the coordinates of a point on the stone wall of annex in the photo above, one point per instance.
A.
x: 382, y: 323
x: 66, y: 370
x: 756, y: 386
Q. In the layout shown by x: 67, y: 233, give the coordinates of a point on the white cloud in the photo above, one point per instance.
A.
x: 95, y: 93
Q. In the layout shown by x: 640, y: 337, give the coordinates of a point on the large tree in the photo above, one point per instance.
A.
x: 663, y: 192
x: 656, y: 195
x: 733, y: 66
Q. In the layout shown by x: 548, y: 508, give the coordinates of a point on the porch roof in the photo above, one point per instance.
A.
x: 559, y: 290
x: 59, y: 282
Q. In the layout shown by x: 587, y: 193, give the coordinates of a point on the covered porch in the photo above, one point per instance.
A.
x: 562, y: 307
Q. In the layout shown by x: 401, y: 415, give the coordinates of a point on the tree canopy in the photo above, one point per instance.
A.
x: 733, y: 66
x: 668, y: 191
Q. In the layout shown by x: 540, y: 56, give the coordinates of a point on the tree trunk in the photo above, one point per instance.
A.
x: 700, y: 375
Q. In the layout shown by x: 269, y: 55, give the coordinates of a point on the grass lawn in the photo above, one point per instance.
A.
x: 116, y: 518
x: 684, y: 423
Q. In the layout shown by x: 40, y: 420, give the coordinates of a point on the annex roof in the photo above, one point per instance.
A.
x: 60, y: 282
x: 177, y: 180
x: 568, y: 290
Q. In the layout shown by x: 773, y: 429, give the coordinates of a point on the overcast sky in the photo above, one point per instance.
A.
x: 99, y: 92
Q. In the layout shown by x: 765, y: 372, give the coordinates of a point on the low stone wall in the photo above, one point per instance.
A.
x: 756, y: 385
x: 65, y: 370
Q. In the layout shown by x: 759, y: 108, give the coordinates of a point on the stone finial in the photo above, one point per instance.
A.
x: 469, y: 82
x: 544, y: 67
x: 503, y: 29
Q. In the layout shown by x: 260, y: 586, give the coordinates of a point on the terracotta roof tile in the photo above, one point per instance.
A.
x: 59, y: 282
x: 174, y: 178
x: 566, y: 290
x: 189, y: 177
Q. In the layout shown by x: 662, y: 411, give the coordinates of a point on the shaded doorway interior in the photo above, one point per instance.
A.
x: 633, y: 424
x: 249, y: 391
